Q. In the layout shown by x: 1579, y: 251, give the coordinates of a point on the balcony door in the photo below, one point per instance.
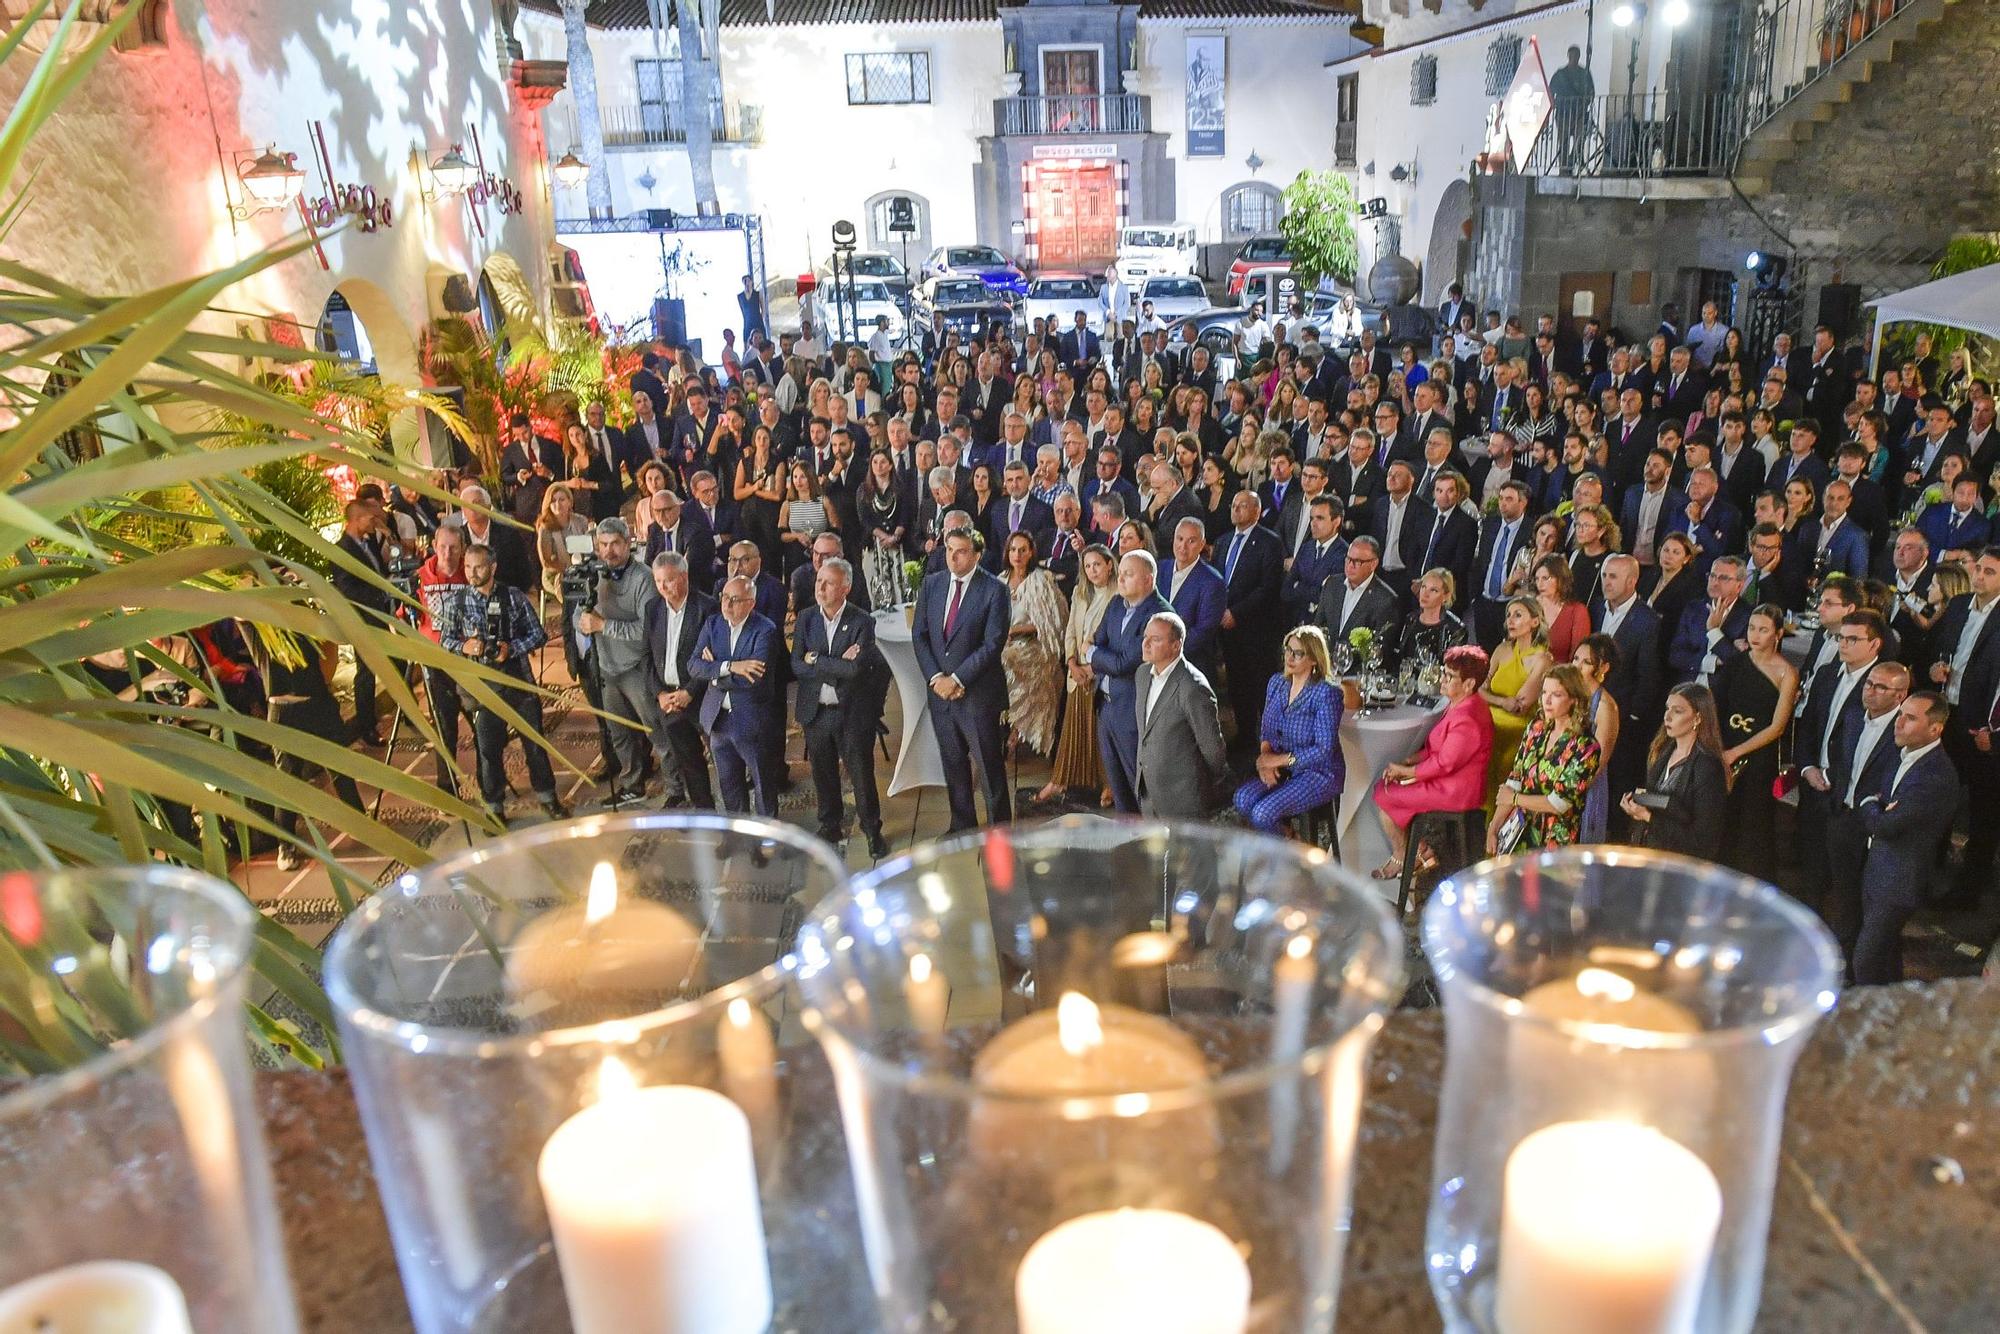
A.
x: 1070, y: 82
x: 1077, y: 208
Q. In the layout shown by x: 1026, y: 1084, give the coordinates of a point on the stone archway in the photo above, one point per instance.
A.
x: 359, y: 318
x: 1445, y: 260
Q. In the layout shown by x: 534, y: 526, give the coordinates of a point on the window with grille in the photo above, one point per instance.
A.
x: 888, y: 78
x: 1251, y: 210
x: 660, y: 115
x: 1423, y: 81
x: 1503, y: 58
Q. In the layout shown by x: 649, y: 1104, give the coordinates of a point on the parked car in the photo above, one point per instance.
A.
x: 976, y: 261
x: 1172, y: 295
x: 1062, y: 295
x: 877, y: 264
x: 1259, y: 252
x: 968, y: 305
x: 1157, y: 248
x: 872, y: 297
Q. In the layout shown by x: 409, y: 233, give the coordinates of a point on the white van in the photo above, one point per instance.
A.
x: 1147, y: 249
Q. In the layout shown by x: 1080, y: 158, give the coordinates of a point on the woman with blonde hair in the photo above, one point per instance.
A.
x: 1513, y: 686
x: 1595, y: 537
x: 555, y: 524
x: 1552, y: 769
x: 1077, y: 763
x: 1299, y: 762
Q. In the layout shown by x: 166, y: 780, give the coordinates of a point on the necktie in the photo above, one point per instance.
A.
x: 1229, y: 568
x: 951, y: 609
x: 1014, y: 522
x: 1496, y: 568
x: 1278, y: 496
x: 670, y: 540
x: 1437, y: 525
x: 604, y: 448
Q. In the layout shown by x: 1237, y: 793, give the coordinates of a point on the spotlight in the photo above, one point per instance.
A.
x: 1753, y: 261
x: 1676, y: 13
x: 1624, y: 16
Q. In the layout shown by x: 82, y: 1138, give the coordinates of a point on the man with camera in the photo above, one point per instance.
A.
x: 616, y: 622
x: 496, y: 625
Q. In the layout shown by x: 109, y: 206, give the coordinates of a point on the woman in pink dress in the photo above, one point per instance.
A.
x: 1449, y: 773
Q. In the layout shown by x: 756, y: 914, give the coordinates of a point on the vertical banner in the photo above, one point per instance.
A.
x: 1205, y: 73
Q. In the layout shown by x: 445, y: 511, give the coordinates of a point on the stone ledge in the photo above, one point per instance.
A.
x: 1864, y: 1238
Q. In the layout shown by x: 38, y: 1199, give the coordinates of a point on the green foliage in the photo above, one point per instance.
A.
x: 1974, y: 250
x: 1318, y: 227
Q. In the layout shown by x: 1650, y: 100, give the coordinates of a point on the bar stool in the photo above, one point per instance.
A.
x: 1320, y: 826
x: 1467, y: 838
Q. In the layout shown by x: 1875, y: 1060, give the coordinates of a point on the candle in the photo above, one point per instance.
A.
x: 1606, y: 1048
x: 1606, y: 1228
x: 574, y: 963
x: 1138, y: 1269
x: 750, y: 1066
x: 1084, y: 1050
x: 929, y: 995
x: 652, y: 1197
x: 1291, y: 1003
x: 98, y: 1297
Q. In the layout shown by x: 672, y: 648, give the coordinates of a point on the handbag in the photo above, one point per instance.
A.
x: 1508, y: 836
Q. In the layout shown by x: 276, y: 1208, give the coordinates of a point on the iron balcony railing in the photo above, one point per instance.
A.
x: 650, y: 123
x: 1343, y: 143
x: 1639, y: 135
x: 1073, y: 113
x: 1794, y: 42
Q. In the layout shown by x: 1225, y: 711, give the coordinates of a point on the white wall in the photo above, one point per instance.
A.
x: 132, y: 194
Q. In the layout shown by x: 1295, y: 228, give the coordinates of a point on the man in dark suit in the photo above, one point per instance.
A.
x: 961, y: 624
x: 646, y: 380
x: 649, y: 435
x: 611, y: 468
x: 1503, y: 535
x: 1863, y: 766
x: 1451, y: 540
x: 718, y: 517
x: 678, y: 528
x: 1016, y: 512
x: 1709, y: 630
x: 1685, y: 387
x: 1770, y: 577
x: 843, y: 679
x: 512, y: 563
x: 1400, y: 523
x: 1172, y: 502
x: 806, y: 577
x: 673, y: 629
x: 1831, y: 540
x: 1651, y: 510
x: 1107, y: 480
x: 1738, y: 463
x: 528, y: 465
x: 1196, y: 590
x: 737, y: 656
x: 358, y: 540
x: 1825, y: 384
x: 1825, y: 733
x: 1907, y: 822
x: 1253, y: 573
x: 1320, y: 557
x: 1060, y: 549
x: 1360, y: 600
x: 1281, y: 497
x: 1713, y: 523
x: 694, y: 446
x: 1801, y: 462
x: 1634, y: 681
x: 1114, y: 655
x: 1966, y: 666
x: 1080, y: 346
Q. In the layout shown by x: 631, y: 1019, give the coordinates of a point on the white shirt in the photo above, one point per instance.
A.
x: 735, y: 632
x: 1158, y: 687
x: 1910, y: 757
x: 1872, y: 731
x: 879, y: 345
x: 1254, y: 335
x: 1350, y: 598
x: 1614, y: 617
x: 670, y: 671
x: 826, y: 695
x: 1975, y: 625
x: 1711, y: 659
x: 1849, y: 682
x: 1180, y: 577
x: 1827, y: 530
x: 1392, y: 535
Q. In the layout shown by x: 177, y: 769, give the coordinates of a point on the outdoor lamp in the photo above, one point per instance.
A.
x: 1624, y: 16
x: 452, y: 174
x: 270, y: 180
x: 1676, y: 13
x: 570, y: 170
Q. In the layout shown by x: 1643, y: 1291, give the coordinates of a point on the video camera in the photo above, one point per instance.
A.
x: 583, y: 576
x: 496, y: 628
x: 400, y: 566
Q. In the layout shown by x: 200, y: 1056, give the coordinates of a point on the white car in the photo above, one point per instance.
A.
x: 877, y: 264
x: 872, y: 297
x: 1147, y: 250
x: 1063, y: 295
x: 1173, y: 296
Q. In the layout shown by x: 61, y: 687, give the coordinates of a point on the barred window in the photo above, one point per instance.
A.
x: 1503, y: 58
x: 1251, y: 210
x: 888, y: 78
x: 1423, y: 81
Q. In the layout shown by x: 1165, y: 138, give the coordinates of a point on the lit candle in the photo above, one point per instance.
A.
x: 1291, y: 1003
x: 1084, y: 1050
x: 929, y: 995
x: 99, y: 1297
x: 1599, y: 1052
x: 750, y: 1065
x: 1606, y: 1228
x: 608, y: 952
x: 652, y: 1197
x: 1140, y: 1269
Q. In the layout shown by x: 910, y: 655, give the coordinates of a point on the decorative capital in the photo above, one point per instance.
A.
x: 536, y: 82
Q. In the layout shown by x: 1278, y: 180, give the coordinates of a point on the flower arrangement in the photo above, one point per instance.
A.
x: 913, y: 574
x: 1362, y: 640
x: 1930, y: 496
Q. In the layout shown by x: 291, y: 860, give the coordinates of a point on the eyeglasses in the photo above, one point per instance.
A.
x: 1292, y: 652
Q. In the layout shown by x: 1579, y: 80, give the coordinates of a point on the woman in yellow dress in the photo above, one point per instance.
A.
x: 1514, y: 686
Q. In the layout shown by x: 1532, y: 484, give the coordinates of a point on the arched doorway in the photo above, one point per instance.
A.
x: 881, y: 238
x: 359, y: 324
x: 1450, y: 249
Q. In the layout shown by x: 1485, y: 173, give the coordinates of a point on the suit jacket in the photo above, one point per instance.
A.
x: 753, y: 705
x: 691, y: 539
x: 1094, y: 487
x: 1826, y: 388
x: 1283, y: 516
x: 1252, y: 589
x: 984, y: 405
x: 352, y: 586
x: 1812, y: 468
x: 1846, y: 550
x: 1635, y: 681
x: 1785, y: 585
x: 1064, y: 565
x: 1906, y: 825
x: 1114, y: 654
x: 524, y: 499
x: 1690, y: 642
x: 694, y: 616
x: 1745, y: 479
x: 1982, y: 667
x: 1080, y: 348
x: 860, y: 683
x: 689, y: 449
x: 1877, y: 767
x: 1816, y: 726
x: 1310, y: 570
x: 1358, y: 490
x: 639, y: 447
x: 971, y: 652
x: 1410, y: 538
x: 1453, y: 546
x: 1945, y: 530
x: 1719, y: 532
x: 1036, y: 519
x: 803, y: 580
x: 1672, y: 517
x: 1183, y: 724
x: 1378, y: 610
x: 611, y: 476
x: 1182, y: 506
x: 1697, y: 793
x: 1482, y: 555
x: 1679, y: 401
x: 513, y: 562
x: 1200, y: 602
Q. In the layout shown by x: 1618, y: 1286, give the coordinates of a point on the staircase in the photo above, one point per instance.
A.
x: 1805, y: 60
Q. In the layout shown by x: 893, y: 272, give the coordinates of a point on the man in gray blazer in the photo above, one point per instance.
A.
x: 1178, y: 722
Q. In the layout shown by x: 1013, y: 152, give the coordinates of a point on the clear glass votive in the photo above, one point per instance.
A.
x: 586, y: 1095
x: 1102, y: 1074
x: 1620, y: 1030
x: 131, y: 1156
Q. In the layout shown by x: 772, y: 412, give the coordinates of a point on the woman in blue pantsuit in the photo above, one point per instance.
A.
x: 1299, y: 764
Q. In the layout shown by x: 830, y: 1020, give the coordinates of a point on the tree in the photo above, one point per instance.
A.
x: 583, y: 93
x: 697, y: 93
x: 1318, y: 227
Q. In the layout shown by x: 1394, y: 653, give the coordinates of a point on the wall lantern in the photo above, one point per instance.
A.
x: 570, y: 170
x: 269, y: 180
x: 451, y: 174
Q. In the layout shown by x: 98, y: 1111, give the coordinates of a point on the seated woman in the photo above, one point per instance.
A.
x: 1435, y: 629
x: 1565, y: 617
x: 1553, y: 768
x: 1449, y: 772
x: 1514, y: 684
x: 1299, y: 765
x: 1682, y: 807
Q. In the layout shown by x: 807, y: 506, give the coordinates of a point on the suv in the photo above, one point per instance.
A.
x: 1155, y: 248
x: 1259, y: 252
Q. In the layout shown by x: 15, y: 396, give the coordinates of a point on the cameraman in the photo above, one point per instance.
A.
x: 439, y: 581
x: 617, y: 627
x: 360, y: 537
x: 495, y: 624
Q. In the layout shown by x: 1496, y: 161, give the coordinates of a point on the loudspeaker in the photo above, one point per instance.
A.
x: 902, y: 216
x: 457, y: 296
x: 670, y: 320
x: 660, y: 219
x: 1840, y: 308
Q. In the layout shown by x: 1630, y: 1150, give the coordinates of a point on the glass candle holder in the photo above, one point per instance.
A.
x: 1620, y: 1029
x: 1102, y: 1074
x: 584, y: 1090
x: 131, y: 1158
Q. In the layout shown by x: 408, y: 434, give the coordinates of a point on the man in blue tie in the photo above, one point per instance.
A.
x: 1017, y: 512
x: 1253, y: 572
x: 1321, y: 556
x: 736, y: 655
x: 961, y: 623
x: 1502, y: 535
x: 1113, y: 657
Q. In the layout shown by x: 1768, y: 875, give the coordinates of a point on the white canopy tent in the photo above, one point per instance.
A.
x: 1969, y: 300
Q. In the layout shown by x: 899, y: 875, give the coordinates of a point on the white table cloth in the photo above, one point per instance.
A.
x: 1370, y: 743
x: 917, y: 763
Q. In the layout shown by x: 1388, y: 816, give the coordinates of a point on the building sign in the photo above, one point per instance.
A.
x: 343, y: 198
x: 1525, y: 109
x: 1075, y: 150
x: 1206, y: 69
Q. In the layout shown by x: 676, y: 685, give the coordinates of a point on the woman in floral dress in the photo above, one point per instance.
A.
x: 1032, y: 655
x: 1553, y: 768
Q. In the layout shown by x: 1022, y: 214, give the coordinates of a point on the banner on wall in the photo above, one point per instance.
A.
x: 1205, y: 74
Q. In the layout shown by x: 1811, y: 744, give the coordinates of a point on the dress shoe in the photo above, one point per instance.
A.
x: 288, y: 858
x: 554, y: 809
x: 878, y: 846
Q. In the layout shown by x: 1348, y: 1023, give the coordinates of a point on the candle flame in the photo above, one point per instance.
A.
x: 615, y: 1079
x: 738, y: 1013
x: 1298, y: 947
x: 920, y: 968
x: 1603, y: 984
x: 1077, y: 1027
x: 603, y: 896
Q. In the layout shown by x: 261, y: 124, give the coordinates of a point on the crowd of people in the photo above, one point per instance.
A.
x: 1660, y: 583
